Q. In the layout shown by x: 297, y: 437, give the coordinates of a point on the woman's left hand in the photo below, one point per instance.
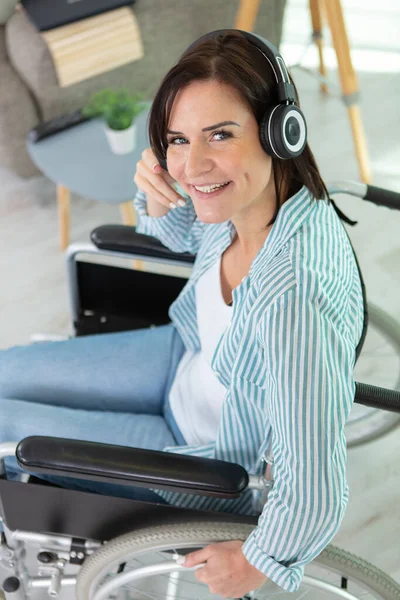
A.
x: 226, y: 572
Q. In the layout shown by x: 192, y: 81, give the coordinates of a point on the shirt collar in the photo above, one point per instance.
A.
x: 290, y: 218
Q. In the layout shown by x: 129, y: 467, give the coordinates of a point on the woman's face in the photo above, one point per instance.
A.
x: 214, y: 151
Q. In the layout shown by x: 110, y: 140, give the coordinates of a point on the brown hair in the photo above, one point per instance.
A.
x: 231, y: 59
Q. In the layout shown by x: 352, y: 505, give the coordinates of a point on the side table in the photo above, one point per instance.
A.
x: 80, y: 160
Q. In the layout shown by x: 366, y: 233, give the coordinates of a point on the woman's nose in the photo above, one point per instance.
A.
x: 198, y: 160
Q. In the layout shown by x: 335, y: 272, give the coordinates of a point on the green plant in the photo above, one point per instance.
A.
x: 119, y: 108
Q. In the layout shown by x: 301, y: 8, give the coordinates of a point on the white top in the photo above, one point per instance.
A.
x: 196, y: 394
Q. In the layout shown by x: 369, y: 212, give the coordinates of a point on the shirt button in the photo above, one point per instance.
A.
x: 218, y: 374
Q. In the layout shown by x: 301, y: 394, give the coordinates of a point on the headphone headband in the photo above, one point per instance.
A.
x: 286, y: 91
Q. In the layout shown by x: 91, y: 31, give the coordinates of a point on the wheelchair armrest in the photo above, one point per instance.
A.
x: 123, y: 238
x: 131, y: 466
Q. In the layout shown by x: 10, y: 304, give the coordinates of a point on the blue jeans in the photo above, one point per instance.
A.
x: 111, y: 388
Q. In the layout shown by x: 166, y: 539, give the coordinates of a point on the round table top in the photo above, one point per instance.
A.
x: 81, y: 159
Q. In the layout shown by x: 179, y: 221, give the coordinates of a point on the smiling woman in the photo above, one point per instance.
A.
x: 258, y: 359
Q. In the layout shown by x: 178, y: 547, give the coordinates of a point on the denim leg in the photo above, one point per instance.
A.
x: 20, y: 419
x: 122, y: 372
x: 110, y: 388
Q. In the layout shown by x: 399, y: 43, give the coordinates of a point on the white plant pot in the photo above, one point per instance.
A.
x: 121, y: 141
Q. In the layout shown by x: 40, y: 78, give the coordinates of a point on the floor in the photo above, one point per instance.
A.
x: 34, y: 292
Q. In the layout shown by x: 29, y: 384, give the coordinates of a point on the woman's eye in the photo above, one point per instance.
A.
x: 222, y: 135
x: 177, y: 141
x: 216, y: 135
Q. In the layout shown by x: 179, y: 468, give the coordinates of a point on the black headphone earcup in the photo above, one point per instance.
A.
x: 264, y: 137
x: 283, y: 131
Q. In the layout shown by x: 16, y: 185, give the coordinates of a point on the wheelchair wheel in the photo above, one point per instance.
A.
x: 141, y: 566
x: 378, y: 364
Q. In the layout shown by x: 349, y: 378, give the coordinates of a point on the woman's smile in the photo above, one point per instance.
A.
x: 209, y: 191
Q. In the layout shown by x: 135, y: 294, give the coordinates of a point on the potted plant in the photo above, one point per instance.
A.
x: 119, y: 110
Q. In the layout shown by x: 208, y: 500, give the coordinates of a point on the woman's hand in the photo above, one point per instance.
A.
x: 226, y: 572
x: 157, y: 184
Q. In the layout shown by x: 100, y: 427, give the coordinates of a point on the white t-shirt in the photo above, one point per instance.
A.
x: 196, y: 394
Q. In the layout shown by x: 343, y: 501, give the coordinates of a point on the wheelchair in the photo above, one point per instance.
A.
x: 58, y: 541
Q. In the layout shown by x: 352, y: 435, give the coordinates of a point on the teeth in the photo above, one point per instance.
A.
x: 206, y: 189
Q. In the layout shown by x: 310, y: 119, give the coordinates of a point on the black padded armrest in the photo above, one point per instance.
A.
x: 131, y: 466
x: 123, y: 238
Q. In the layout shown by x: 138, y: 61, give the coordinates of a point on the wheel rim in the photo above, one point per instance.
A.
x: 378, y: 364
x: 320, y: 582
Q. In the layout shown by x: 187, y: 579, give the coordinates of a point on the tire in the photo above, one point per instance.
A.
x: 378, y: 364
x: 150, y: 546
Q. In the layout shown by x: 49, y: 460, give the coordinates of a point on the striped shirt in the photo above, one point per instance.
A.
x: 287, y: 362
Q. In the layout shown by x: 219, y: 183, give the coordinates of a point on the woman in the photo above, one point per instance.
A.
x: 260, y: 353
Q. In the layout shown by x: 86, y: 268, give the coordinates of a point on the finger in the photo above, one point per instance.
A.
x: 167, y: 177
x: 147, y: 180
x: 158, y: 170
x: 201, y: 575
x: 153, y: 193
x: 163, y: 182
x: 199, y: 556
x: 204, y: 576
x: 150, y: 160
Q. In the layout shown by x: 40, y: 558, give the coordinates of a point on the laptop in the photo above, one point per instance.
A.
x: 47, y: 14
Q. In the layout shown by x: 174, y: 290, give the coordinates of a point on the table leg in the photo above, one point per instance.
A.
x: 316, y: 20
x: 129, y: 218
x: 128, y: 213
x: 349, y: 83
x: 247, y: 14
x: 63, y: 201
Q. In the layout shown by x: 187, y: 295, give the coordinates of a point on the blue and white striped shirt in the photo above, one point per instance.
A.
x: 287, y: 363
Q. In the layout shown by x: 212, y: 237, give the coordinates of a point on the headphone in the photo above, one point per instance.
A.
x: 283, y: 128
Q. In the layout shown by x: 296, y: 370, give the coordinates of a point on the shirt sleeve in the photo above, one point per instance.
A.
x: 179, y: 230
x: 309, y: 358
